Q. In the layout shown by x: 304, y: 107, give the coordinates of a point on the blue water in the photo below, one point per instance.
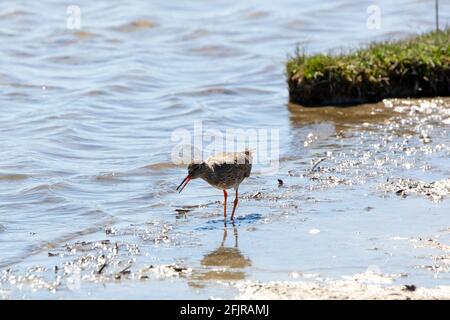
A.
x: 86, y: 128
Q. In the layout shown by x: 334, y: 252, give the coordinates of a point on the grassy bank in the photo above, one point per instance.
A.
x: 414, y: 67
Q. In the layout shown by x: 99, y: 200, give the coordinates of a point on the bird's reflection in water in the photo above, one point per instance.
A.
x: 224, y: 263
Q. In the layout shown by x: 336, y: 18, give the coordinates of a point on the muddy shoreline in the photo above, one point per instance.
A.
x: 338, y: 290
x: 365, y: 219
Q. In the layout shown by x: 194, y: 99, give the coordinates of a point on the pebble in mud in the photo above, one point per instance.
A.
x: 110, y: 231
x: 182, y: 211
x: 409, y: 287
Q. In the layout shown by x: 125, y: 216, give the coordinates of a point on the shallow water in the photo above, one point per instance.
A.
x: 86, y: 178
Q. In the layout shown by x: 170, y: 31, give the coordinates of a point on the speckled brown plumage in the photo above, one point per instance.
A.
x: 223, y: 171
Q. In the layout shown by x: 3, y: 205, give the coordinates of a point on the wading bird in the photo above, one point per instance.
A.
x: 223, y: 171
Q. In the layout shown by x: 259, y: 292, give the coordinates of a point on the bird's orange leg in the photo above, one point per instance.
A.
x: 225, y: 195
x: 235, y: 205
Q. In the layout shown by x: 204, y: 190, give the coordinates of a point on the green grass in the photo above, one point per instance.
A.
x: 414, y: 67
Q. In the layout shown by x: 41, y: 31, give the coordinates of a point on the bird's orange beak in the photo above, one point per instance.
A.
x: 184, y: 183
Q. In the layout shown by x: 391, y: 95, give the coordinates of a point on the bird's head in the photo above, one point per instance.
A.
x: 195, y: 170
